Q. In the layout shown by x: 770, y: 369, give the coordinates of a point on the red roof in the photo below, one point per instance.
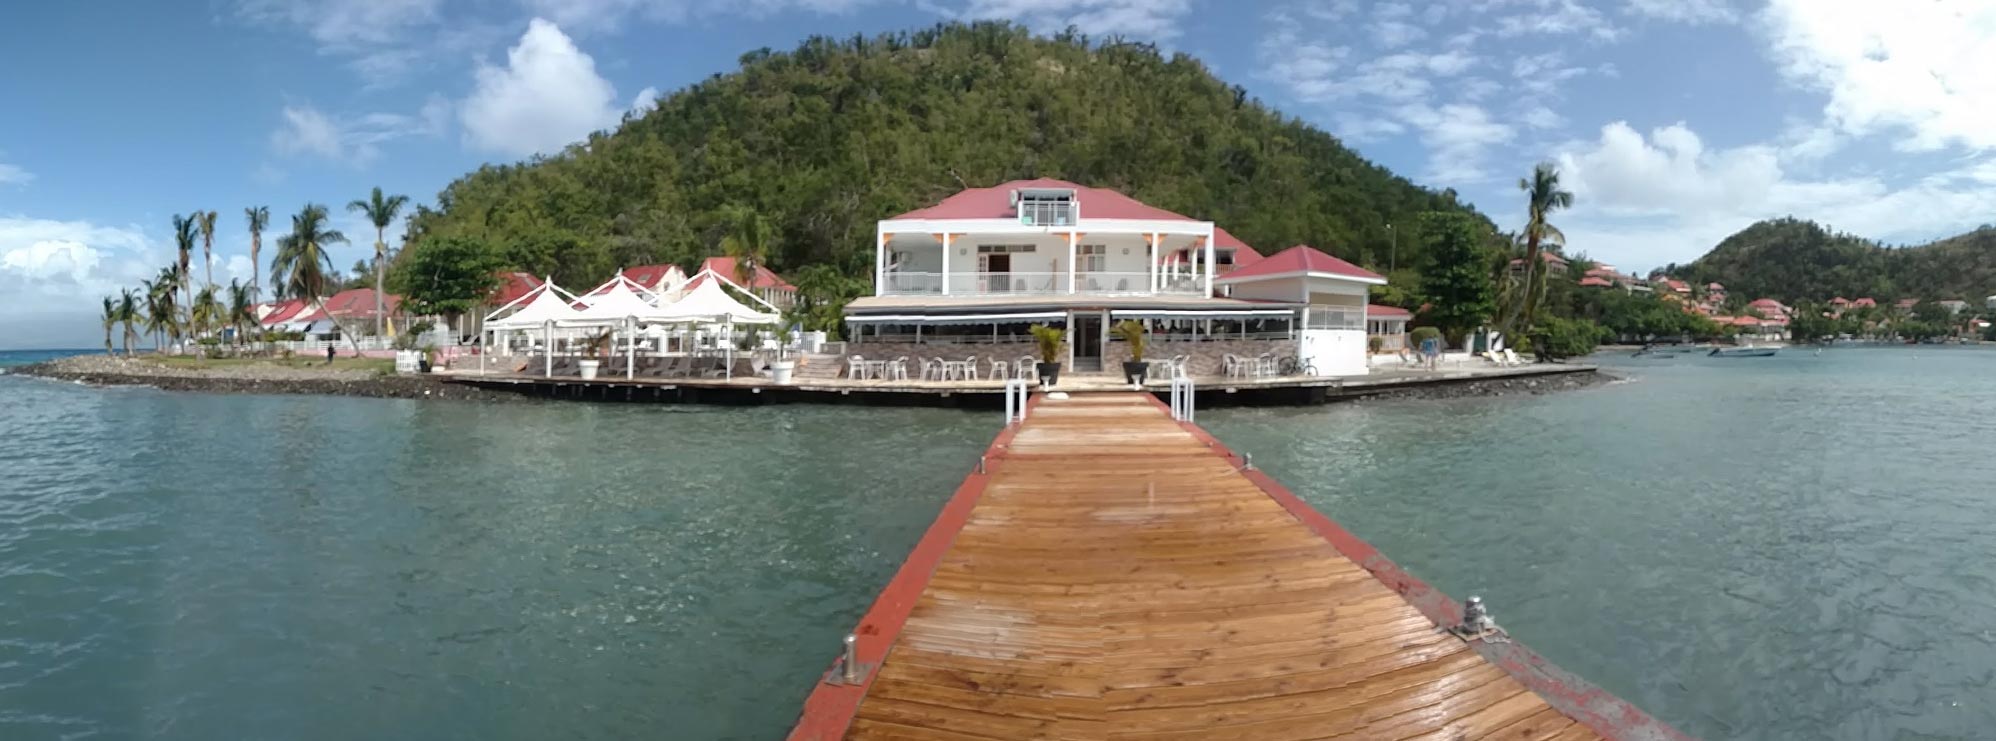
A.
x: 1678, y: 286
x: 513, y: 287
x: 653, y: 276
x: 1839, y: 301
x: 996, y: 203
x: 1746, y: 321
x: 283, y: 312
x: 1595, y: 280
x: 1385, y: 312
x: 359, y: 302
x: 1714, y: 286
x: 1907, y: 303
x: 1302, y: 259
x: 725, y: 266
x: 1866, y: 301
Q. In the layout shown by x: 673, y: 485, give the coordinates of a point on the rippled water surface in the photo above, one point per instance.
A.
x: 1792, y: 547
x: 1796, y: 547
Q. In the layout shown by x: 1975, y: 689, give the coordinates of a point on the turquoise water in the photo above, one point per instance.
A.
x: 1789, y: 547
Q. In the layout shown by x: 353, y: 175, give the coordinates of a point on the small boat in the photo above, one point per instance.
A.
x: 1743, y: 352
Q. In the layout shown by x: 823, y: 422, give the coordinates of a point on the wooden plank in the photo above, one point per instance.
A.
x: 1119, y: 577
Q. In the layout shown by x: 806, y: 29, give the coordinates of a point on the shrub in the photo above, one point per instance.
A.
x: 1132, y: 332
x: 1050, y: 340
x: 1374, y: 344
x: 1554, y: 339
x: 1421, y: 335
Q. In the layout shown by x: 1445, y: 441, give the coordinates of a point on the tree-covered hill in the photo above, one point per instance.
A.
x: 1794, y: 260
x: 824, y: 140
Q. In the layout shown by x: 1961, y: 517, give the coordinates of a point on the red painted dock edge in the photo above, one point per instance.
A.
x: 1604, y: 713
x: 829, y: 711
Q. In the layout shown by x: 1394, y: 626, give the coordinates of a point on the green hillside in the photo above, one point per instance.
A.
x: 1794, y: 260
x: 828, y: 138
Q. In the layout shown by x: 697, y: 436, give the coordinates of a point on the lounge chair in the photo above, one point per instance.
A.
x: 1511, y: 356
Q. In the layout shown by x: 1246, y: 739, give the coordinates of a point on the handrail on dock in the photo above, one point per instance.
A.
x: 1017, y: 390
x: 1181, y: 398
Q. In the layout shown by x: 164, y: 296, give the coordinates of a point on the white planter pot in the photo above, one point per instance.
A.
x: 779, y: 371
x: 589, y: 368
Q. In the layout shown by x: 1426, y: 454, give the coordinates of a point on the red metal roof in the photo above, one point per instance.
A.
x: 283, y: 312
x: 1302, y: 259
x: 653, y: 276
x: 512, y: 287
x: 725, y: 266
x: 359, y: 302
x: 1866, y: 301
x: 1387, y: 312
x: 996, y: 203
x: 1595, y: 280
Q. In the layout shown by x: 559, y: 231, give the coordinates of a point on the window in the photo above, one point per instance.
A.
x: 1003, y: 249
x: 1091, y: 258
x: 1046, y: 206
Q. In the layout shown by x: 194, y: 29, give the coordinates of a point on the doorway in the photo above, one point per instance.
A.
x: 1085, y: 336
x: 997, y: 270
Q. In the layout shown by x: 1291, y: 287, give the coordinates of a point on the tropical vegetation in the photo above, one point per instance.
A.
x: 381, y: 211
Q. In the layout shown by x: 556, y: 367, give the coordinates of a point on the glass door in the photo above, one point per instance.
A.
x: 1085, y: 336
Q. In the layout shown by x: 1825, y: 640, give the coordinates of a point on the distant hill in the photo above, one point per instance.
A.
x: 1791, y: 260
x: 828, y: 138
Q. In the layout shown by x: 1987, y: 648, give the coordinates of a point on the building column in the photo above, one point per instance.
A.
x: 879, y: 261
x: 1152, y: 267
x: 1209, y: 262
x: 1072, y: 240
x: 946, y: 250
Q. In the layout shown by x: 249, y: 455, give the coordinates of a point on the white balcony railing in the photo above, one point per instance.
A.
x: 1039, y: 284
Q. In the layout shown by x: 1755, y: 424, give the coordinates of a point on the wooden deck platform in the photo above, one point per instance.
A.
x: 1115, y: 574
x: 982, y: 393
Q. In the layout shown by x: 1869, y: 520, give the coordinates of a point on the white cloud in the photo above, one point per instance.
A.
x: 646, y: 100
x: 1541, y: 117
x: 1555, y: 17
x: 1457, y: 136
x: 1147, y: 19
x: 345, y: 23
x: 353, y: 140
x: 51, y: 260
x: 14, y: 175
x: 1919, y: 68
x: 52, y: 274
x: 1644, y: 201
x: 1686, y: 11
x: 1394, y: 33
x: 547, y: 96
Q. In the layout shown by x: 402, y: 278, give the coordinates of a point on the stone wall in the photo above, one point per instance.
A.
x: 1204, y: 358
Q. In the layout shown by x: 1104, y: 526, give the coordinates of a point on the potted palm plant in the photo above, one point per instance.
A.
x: 1132, y: 332
x: 593, y: 346
x: 1051, y: 341
x: 781, y: 368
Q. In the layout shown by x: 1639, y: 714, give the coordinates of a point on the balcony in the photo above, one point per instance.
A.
x: 1048, y: 213
x: 1040, y: 284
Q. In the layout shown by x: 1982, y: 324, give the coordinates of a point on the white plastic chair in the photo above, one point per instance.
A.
x: 855, y: 368
x: 1000, y: 370
x: 1511, y: 356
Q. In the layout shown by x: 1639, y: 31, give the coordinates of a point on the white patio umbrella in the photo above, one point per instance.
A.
x: 541, y: 308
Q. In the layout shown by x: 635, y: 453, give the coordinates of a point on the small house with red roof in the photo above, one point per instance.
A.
x: 764, y: 283
x: 1864, y: 303
x: 985, y: 264
x: 1768, y: 308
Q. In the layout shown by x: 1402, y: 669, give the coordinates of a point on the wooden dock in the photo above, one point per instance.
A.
x: 1116, y: 574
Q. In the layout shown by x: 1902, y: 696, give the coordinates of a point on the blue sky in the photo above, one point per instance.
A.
x: 1675, y: 121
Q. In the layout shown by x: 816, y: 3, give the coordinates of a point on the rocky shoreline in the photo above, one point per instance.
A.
x: 99, y: 370
x: 1536, y: 385
x: 273, y: 378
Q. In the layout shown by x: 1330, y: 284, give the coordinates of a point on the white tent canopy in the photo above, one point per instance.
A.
x: 546, y: 303
x: 709, y: 303
x: 613, y: 303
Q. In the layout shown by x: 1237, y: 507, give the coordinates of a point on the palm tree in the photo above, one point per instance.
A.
x: 162, y: 315
x: 1542, y: 197
x: 128, y: 313
x: 381, y: 211
x: 206, y: 314
x: 258, y: 218
x: 184, y: 229
x: 110, y: 321
x: 242, y: 310
x: 747, y: 241
x: 206, y: 221
x: 302, y: 263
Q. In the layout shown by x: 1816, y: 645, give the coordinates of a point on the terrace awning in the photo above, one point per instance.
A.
x: 708, y: 303
x: 546, y: 303
x: 1203, y: 314
x: 1000, y: 318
